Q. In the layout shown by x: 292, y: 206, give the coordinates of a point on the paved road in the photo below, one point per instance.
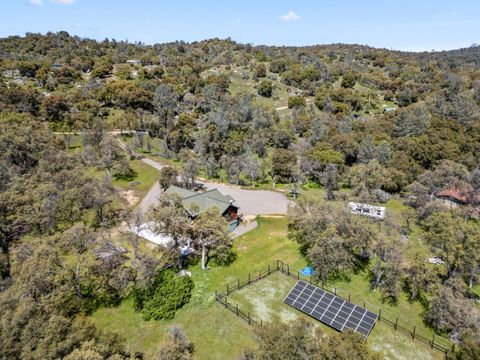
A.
x: 250, y: 202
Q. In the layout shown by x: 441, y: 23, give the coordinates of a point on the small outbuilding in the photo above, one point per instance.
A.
x: 455, y: 197
x: 134, y: 62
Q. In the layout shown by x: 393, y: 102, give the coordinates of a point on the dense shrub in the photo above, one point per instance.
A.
x: 168, y: 293
x: 265, y: 88
x: 296, y: 101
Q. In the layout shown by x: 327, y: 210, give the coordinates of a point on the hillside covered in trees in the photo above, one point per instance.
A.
x: 353, y: 120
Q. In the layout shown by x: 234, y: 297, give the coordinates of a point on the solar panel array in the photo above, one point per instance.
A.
x: 330, y: 309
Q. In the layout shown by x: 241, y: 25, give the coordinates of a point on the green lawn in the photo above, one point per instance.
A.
x: 137, y: 186
x: 153, y: 153
x: 218, y: 334
x: 215, y: 332
x: 264, y: 301
x: 132, y: 190
x: 409, y: 313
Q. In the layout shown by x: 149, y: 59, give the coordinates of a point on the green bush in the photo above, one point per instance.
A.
x: 167, y: 294
x: 265, y: 88
x: 296, y: 101
x: 123, y: 171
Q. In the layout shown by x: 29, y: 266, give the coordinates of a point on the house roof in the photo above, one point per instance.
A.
x: 461, y: 196
x: 183, y: 193
x: 196, y: 203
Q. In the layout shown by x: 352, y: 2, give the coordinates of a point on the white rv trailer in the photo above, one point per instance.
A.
x: 376, y: 212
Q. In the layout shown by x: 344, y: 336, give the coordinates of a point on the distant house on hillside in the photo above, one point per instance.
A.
x: 198, y: 202
x: 456, y: 197
x: 11, y: 73
x: 389, y: 109
x: 134, y: 62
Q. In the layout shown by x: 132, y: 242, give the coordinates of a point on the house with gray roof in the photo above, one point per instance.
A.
x: 198, y: 202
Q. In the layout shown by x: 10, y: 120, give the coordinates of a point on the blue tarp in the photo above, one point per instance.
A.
x: 308, y: 271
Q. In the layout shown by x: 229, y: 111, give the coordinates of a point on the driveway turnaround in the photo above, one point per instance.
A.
x: 250, y: 202
x: 253, y: 202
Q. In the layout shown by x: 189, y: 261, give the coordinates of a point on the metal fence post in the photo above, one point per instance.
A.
x: 238, y: 283
x: 298, y: 274
x: 248, y: 318
x: 348, y: 297
x: 380, y: 314
x: 227, y: 289
x: 237, y: 309
x: 335, y: 291
x: 269, y: 269
x: 248, y: 278
x: 396, y: 323
x: 433, y: 340
x: 413, y: 333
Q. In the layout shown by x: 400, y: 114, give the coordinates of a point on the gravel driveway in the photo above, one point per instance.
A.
x: 250, y: 202
x: 253, y: 202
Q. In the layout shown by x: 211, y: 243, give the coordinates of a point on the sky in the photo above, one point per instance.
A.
x: 420, y: 25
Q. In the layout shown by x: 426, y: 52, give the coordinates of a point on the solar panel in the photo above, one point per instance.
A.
x: 330, y: 309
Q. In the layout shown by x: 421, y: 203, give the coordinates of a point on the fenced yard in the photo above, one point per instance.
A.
x: 218, y: 334
x: 259, y: 298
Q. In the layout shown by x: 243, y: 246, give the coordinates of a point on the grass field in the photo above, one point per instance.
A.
x: 264, y: 300
x: 215, y: 333
x: 152, y: 153
x: 218, y: 334
x: 239, y: 85
x: 131, y: 190
x: 134, y: 189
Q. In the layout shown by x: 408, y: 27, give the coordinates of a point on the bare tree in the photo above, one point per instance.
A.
x: 79, y: 239
x: 140, y: 136
x: 145, y: 264
x: 171, y: 220
x: 190, y: 168
x: 330, y: 181
x: 67, y: 139
x: 164, y: 102
x: 177, y: 347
